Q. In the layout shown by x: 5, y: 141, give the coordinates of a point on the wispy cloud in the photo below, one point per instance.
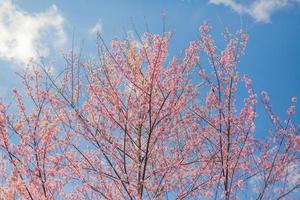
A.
x: 260, y: 10
x: 25, y: 36
x: 97, y: 28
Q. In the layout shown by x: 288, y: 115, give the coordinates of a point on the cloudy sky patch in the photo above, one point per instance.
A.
x: 97, y: 28
x: 25, y: 36
x: 260, y: 10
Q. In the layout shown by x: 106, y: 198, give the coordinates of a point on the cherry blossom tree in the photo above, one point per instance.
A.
x: 32, y: 147
x: 136, y: 123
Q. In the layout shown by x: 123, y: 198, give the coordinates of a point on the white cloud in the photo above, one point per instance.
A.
x: 25, y: 36
x: 260, y: 10
x: 97, y: 28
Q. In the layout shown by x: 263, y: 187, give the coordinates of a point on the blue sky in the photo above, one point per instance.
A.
x: 272, y: 59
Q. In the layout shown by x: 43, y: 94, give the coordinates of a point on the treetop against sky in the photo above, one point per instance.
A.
x: 149, y: 99
x: 31, y: 28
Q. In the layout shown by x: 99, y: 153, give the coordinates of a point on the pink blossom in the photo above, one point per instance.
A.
x: 297, y: 143
x: 240, y: 183
x: 207, y: 193
x: 294, y: 99
x: 291, y: 110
